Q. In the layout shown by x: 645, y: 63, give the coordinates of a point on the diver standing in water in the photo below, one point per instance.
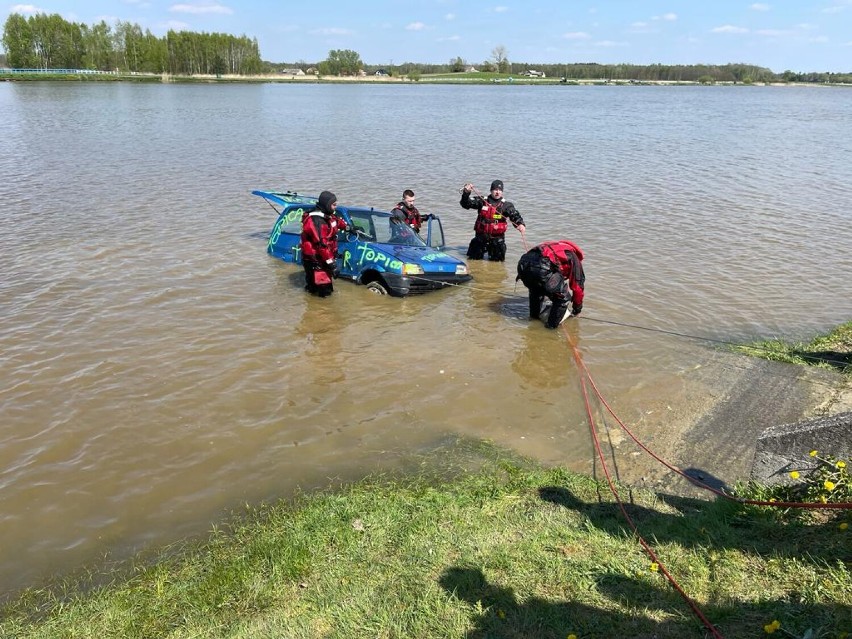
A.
x: 319, y: 244
x: 490, y: 226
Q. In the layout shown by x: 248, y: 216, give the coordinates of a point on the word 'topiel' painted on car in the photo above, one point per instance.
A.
x: 375, y: 250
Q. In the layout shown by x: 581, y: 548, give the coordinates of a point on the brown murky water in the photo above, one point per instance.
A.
x: 158, y: 369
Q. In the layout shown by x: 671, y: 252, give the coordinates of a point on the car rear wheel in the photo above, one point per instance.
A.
x: 377, y: 287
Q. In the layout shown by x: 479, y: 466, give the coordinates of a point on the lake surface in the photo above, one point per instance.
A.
x: 159, y: 369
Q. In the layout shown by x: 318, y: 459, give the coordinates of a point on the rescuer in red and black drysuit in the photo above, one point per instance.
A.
x: 490, y: 226
x: 319, y: 244
x: 554, y: 270
x: 406, y: 212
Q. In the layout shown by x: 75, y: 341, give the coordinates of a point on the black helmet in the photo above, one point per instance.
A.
x: 326, y: 199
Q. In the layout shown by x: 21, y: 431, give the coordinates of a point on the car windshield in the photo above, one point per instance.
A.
x: 384, y: 228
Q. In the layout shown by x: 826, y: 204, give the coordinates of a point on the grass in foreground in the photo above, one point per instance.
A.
x: 833, y: 350
x: 510, y: 551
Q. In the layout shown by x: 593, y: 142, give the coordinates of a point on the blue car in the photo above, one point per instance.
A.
x: 376, y: 250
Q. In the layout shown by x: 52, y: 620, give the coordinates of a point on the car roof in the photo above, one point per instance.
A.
x: 291, y: 199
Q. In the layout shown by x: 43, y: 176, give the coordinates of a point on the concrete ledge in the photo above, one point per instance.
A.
x: 785, y: 448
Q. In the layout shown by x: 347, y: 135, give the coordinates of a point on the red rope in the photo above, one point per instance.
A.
x: 621, y: 506
x: 699, y: 483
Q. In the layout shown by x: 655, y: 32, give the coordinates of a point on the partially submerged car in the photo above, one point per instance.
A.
x: 376, y: 250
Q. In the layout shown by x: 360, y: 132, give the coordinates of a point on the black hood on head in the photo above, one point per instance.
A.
x: 326, y: 199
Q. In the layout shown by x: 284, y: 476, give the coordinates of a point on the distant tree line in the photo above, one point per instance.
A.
x: 704, y: 73
x: 46, y: 41
x: 51, y: 42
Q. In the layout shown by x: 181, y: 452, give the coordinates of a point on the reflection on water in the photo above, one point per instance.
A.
x: 158, y: 369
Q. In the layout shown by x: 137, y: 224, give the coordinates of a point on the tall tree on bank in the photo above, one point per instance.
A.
x: 341, y: 62
x: 50, y: 42
x: 18, y: 42
x: 457, y: 65
x: 501, y: 59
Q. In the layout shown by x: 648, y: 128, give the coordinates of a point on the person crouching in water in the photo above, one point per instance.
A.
x: 554, y: 270
x: 319, y: 244
x: 490, y: 226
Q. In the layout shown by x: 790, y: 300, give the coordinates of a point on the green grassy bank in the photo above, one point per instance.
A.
x: 832, y: 350
x: 512, y: 550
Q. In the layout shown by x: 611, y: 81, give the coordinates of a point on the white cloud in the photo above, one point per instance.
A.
x: 774, y: 33
x: 500, y: 9
x: 454, y: 38
x: 415, y: 26
x: 642, y: 27
x: 332, y: 31
x: 175, y: 25
x: 25, y: 8
x: 729, y: 28
x: 759, y: 6
x: 668, y: 17
x: 819, y: 39
x: 576, y: 35
x: 838, y: 6
x: 610, y: 43
x: 199, y: 9
x: 450, y: 16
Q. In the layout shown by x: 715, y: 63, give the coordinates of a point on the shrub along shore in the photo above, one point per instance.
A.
x: 437, y: 78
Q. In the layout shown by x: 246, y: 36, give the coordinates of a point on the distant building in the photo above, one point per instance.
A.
x: 382, y: 73
x: 293, y: 72
x: 470, y: 69
x: 532, y: 73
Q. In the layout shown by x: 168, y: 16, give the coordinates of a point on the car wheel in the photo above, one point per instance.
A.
x: 377, y: 287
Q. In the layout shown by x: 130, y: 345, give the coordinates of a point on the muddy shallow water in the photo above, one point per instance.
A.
x: 158, y: 369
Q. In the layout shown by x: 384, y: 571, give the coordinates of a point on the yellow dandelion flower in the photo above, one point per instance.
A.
x: 829, y: 485
x: 795, y: 474
x: 772, y: 499
x: 843, y: 526
x: 841, y: 464
x: 571, y: 636
x: 771, y: 627
x: 655, y: 566
x: 813, y: 453
x: 823, y: 499
x: 501, y: 614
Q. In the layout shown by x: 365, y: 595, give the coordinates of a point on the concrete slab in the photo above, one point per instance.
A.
x: 784, y: 448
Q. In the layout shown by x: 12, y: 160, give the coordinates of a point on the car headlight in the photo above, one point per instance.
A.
x: 412, y: 269
x: 461, y: 269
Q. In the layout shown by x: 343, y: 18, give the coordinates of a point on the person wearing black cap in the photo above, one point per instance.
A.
x: 490, y: 226
x: 319, y: 244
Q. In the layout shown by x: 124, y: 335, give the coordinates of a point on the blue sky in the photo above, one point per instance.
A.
x: 800, y: 35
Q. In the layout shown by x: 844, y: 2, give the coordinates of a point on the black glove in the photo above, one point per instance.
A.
x: 576, y: 309
x: 336, y: 273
